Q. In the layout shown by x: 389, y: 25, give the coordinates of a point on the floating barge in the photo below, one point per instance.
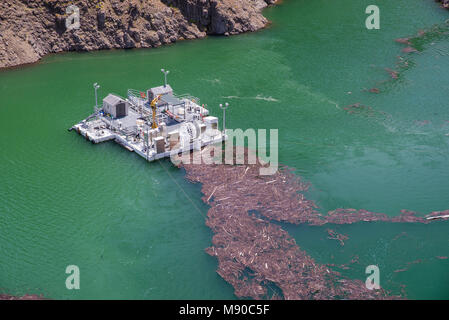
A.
x: 154, y: 124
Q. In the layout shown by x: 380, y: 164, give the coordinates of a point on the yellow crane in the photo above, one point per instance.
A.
x: 153, y: 106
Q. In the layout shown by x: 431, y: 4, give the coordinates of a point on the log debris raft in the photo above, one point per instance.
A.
x: 257, y: 257
x: 260, y: 259
x: 334, y: 235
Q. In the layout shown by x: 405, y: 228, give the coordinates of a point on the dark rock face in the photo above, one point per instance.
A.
x: 25, y: 297
x: 223, y: 17
x: 31, y: 29
x: 444, y: 3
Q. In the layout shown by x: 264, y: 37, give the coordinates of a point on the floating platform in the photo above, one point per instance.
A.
x: 155, y: 124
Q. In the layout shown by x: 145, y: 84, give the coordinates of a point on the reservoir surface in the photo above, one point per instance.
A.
x: 136, y: 235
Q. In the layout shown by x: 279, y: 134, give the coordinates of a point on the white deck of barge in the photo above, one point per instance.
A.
x: 134, y: 129
x: 138, y: 146
x: 103, y: 134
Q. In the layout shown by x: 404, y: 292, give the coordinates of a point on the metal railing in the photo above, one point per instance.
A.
x: 189, y: 97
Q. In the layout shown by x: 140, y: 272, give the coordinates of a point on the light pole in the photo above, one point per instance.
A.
x: 165, y: 74
x: 96, y: 87
x: 226, y: 105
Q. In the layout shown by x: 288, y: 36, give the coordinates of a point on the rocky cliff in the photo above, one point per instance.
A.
x: 25, y: 297
x: 30, y: 29
x: 444, y: 3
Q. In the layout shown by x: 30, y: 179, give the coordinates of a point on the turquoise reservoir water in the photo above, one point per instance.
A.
x: 135, y: 235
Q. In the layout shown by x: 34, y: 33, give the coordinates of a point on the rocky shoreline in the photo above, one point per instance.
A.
x: 25, y: 297
x: 444, y: 3
x: 32, y: 29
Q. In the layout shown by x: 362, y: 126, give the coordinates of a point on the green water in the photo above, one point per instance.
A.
x: 134, y: 233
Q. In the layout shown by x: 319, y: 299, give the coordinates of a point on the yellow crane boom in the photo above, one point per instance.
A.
x: 153, y: 106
